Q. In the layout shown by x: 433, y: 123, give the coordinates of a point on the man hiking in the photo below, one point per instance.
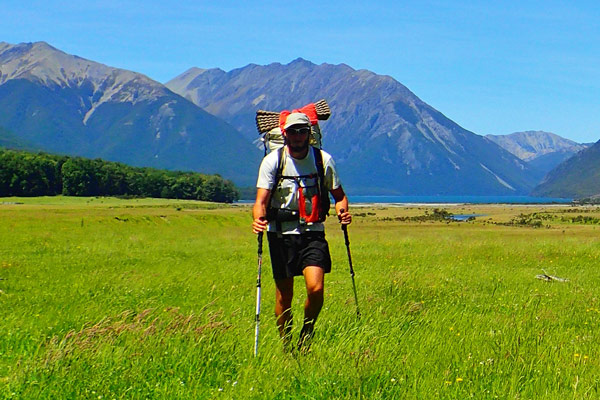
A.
x: 291, y: 203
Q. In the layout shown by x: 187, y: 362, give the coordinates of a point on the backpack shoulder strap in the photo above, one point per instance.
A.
x: 319, y: 163
x: 278, y: 173
x: 323, y: 193
x: 280, y: 165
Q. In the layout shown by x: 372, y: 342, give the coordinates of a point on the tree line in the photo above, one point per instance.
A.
x: 40, y: 174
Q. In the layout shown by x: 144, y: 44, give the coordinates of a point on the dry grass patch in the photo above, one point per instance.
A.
x: 167, y: 323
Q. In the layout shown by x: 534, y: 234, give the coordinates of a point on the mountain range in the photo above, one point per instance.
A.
x: 65, y: 104
x: 543, y: 151
x: 383, y: 137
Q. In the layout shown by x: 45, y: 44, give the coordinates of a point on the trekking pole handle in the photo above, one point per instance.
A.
x: 345, y: 228
x: 260, y: 238
x: 341, y: 212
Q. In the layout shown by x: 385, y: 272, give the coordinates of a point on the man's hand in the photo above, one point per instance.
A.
x: 341, y: 205
x: 345, y: 217
x: 259, y: 224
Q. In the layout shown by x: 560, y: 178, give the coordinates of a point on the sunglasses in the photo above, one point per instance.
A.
x: 298, y: 131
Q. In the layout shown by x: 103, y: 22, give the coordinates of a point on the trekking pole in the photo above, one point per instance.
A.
x: 260, y: 239
x: 345, y: 229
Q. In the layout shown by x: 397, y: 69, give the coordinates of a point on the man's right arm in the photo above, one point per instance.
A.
x: 259, y: 211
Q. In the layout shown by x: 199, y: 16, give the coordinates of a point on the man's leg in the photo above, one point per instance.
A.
x: 284, y: 292
x: 315, y: 282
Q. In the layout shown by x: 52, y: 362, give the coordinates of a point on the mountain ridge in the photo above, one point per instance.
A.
x: 543, y: 151
x: 529, y: 145
x: 377, y: 124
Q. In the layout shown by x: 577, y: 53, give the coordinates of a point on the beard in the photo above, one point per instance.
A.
x: 299, y: 148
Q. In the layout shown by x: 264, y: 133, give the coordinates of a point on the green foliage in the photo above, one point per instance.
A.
x: 582, y: 219
x: 534, y: 220
x: 541, y: 219
x: 436, y: 215
x: 27, y: 174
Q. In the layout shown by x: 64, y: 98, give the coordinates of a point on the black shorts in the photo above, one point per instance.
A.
x: 290, y: 254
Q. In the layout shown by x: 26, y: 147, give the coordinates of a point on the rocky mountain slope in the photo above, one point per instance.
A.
x: 384, y: 138
x: 542, y: 150
x: 65, y: 104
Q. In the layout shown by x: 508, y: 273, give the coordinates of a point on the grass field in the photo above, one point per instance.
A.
x: 135, y: 299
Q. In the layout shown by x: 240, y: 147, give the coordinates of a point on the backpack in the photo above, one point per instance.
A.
x: 269, y: 125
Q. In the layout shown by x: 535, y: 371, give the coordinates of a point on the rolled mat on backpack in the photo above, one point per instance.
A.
x: 268, y: 120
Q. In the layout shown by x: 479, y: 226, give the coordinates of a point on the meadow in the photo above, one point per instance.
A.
x: 105, y: 298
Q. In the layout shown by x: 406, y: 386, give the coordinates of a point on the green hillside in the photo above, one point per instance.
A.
x: 577, y: 177
x: 11, y: 141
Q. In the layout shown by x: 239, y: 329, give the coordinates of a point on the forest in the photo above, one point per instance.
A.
x: 41, y: 174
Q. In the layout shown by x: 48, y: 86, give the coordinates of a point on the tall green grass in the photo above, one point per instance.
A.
x: 135, y: 299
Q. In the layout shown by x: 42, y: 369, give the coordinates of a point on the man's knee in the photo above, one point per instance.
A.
x: 315, y: 288
x: 315, y: 292
x: 284, y: 292
x: 315, y: 281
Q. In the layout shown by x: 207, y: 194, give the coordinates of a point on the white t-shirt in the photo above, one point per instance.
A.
x: 286, y: 195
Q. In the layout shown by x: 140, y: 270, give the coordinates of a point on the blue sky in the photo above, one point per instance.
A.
x: 492, y: 67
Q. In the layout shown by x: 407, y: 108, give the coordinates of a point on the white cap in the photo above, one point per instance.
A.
x: 296, y: 119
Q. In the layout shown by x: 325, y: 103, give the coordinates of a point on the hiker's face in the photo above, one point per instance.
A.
x: 297, y: 137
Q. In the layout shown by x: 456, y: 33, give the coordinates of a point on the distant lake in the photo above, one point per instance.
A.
x: 459, y: 199
x: 465, y: 217
x: 452, y: 199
